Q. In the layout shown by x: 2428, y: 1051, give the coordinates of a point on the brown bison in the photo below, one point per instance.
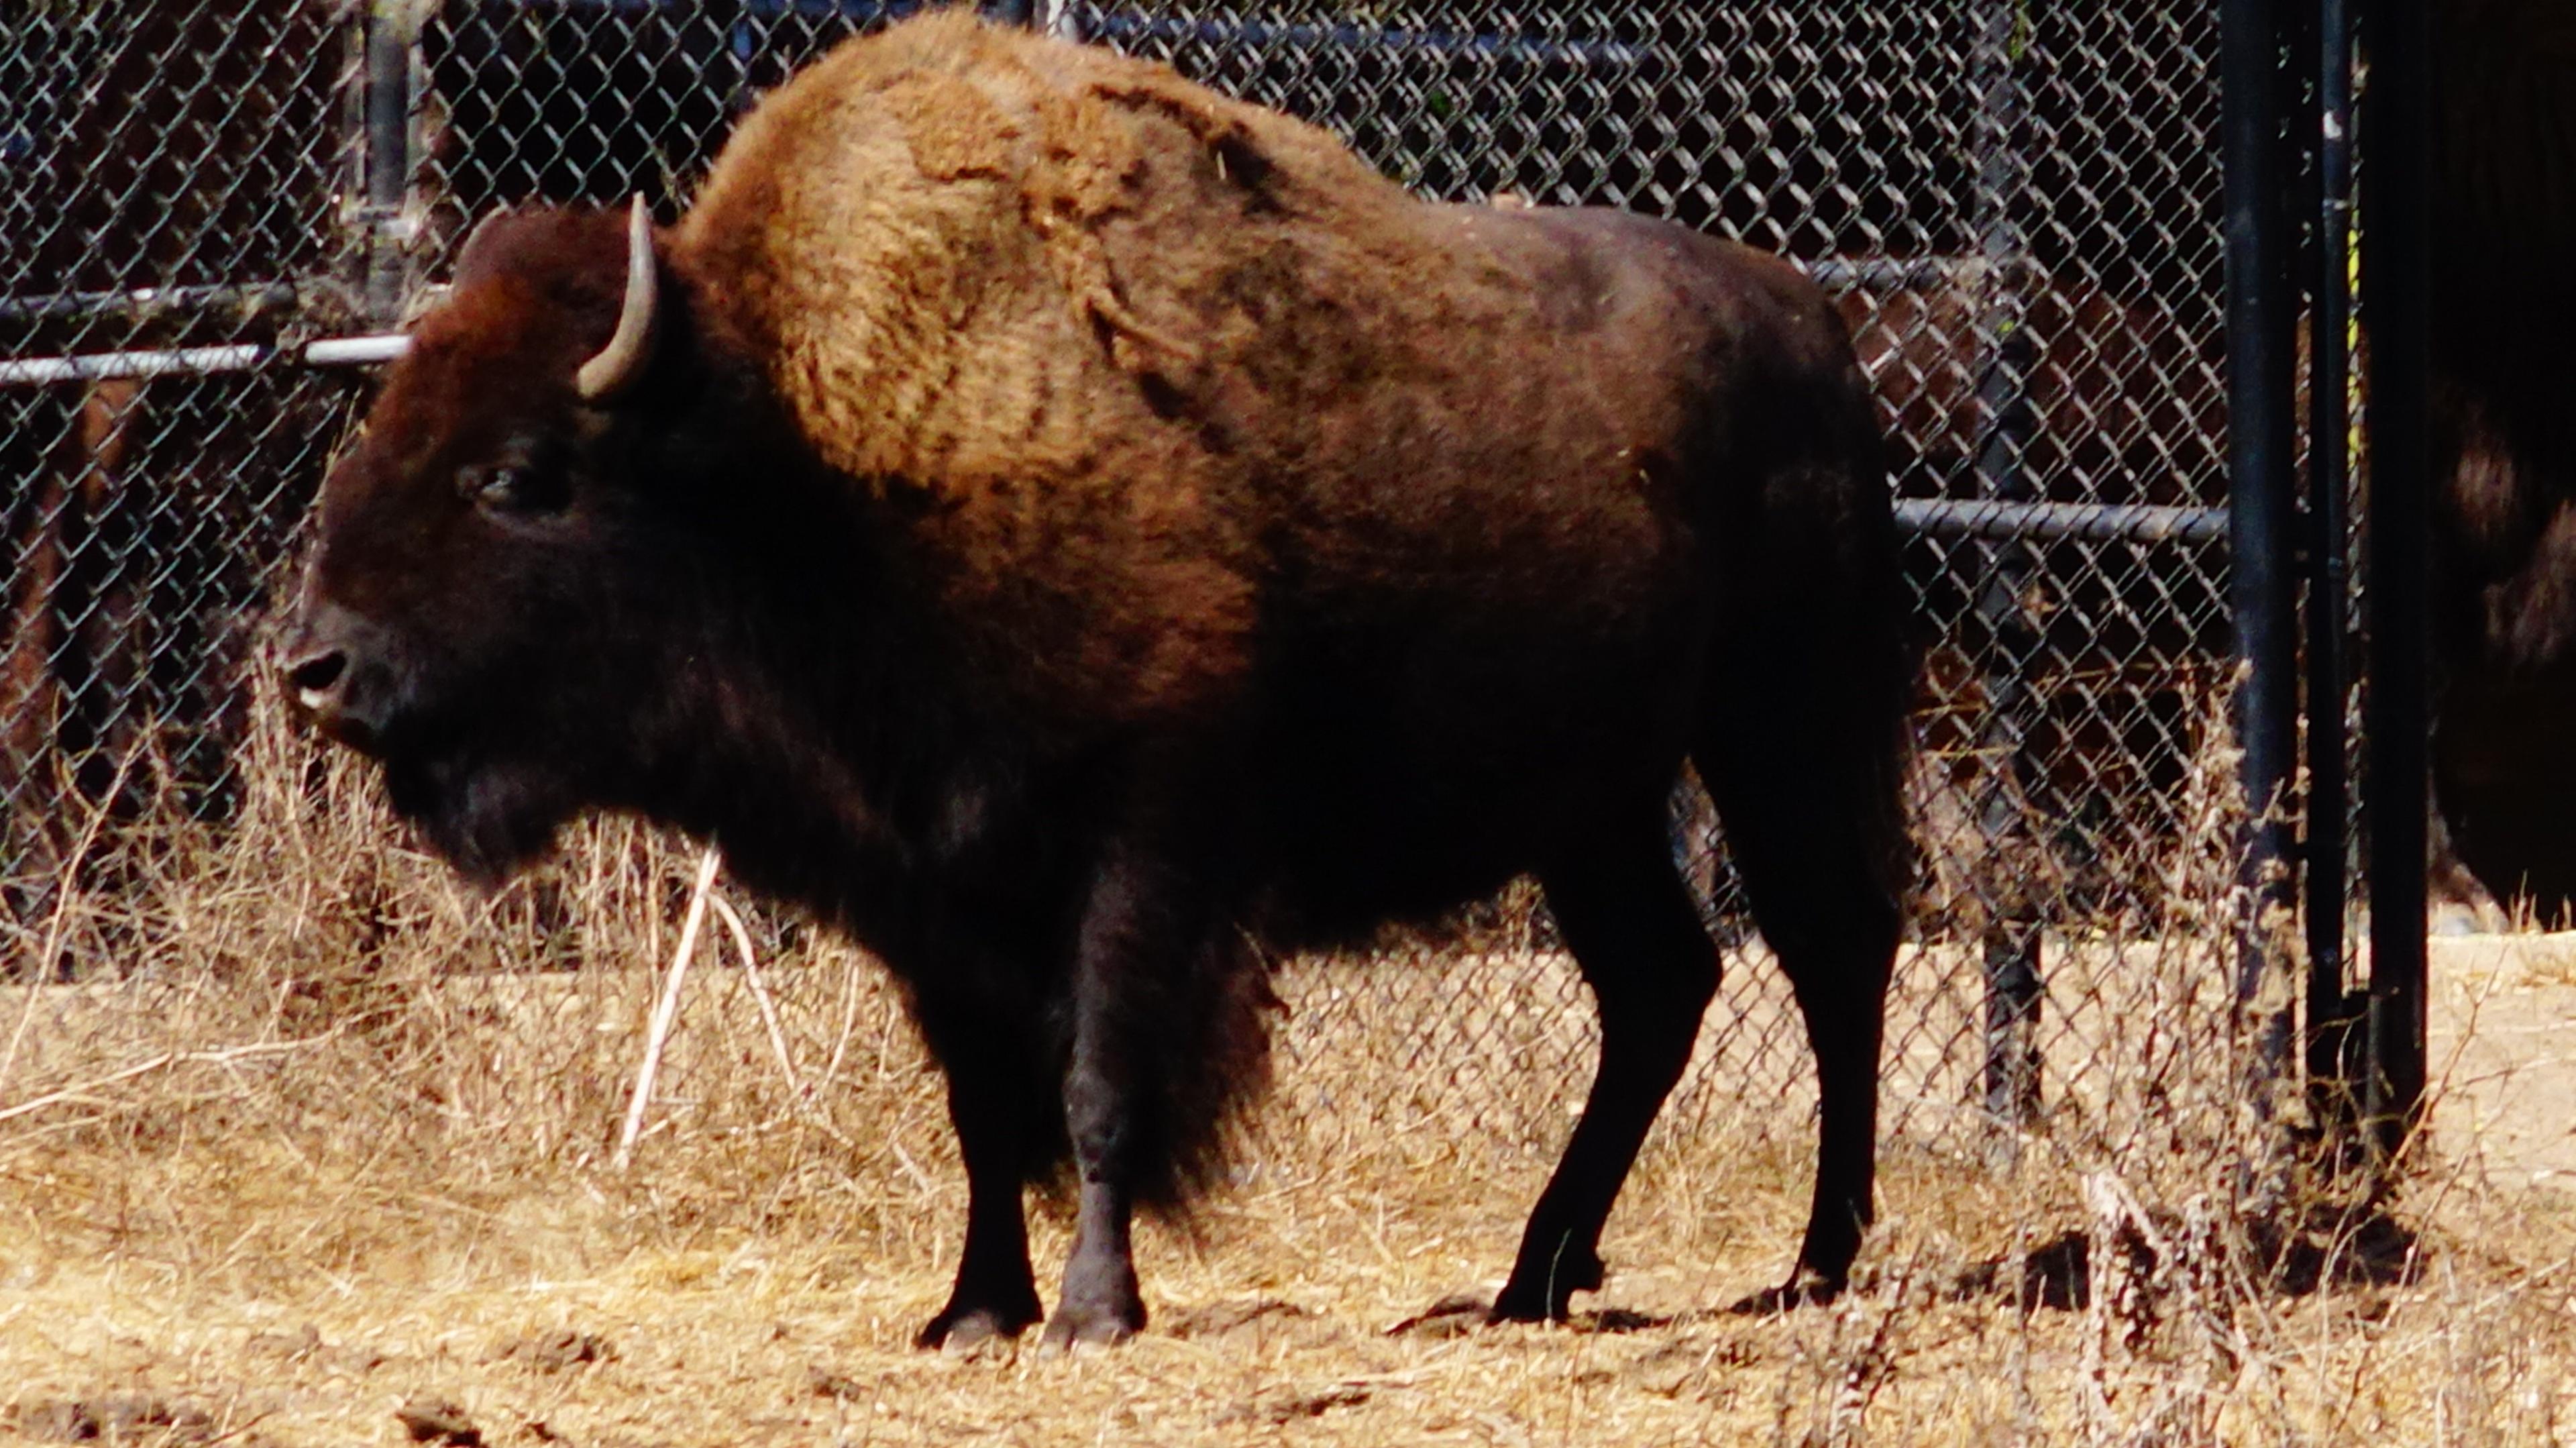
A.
x: 1081, y: 534
x: 2504, y: 514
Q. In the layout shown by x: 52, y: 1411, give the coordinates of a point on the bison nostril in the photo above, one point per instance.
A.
x: 314, y: 677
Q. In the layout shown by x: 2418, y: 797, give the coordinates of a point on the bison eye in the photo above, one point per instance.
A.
x: 508, y: 488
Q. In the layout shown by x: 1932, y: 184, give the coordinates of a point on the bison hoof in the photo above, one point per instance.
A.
x: 961, y: 1331
x: 1547, y: 1294
x: 1511, y: 1306
x: 1073, y: 1327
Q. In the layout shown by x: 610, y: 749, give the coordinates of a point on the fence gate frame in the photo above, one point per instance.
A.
x: 2290, y: 144
x: 2396, y: 270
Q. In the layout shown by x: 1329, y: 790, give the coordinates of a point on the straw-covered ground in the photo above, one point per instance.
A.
x: 331, y: 1159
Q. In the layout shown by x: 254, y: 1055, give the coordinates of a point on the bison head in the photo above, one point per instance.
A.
x: 506, y: 594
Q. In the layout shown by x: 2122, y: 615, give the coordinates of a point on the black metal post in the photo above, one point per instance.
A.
x: 2011, y: 947
x: 2331, y: 1006
x: 385, y: 156
x: 2396, y: 273
x: 2261, y: 442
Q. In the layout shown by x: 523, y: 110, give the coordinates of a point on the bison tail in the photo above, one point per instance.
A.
x: 1805, y: 728
x: 1211, y: 1062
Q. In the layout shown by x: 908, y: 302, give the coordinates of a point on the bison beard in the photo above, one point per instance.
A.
x: 483, y: 817
x: 1082, y: 535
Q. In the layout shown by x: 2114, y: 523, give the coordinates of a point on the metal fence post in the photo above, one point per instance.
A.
x: 2396, y: 271
x: 2331, y: 1007
x: 2010, y: 948
x: 384, y: 154
x: 2263, y: 579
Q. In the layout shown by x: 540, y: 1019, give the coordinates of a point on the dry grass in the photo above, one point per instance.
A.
x: 337, y: 1141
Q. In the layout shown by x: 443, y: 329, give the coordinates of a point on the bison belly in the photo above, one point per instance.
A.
x: 1402, y: 778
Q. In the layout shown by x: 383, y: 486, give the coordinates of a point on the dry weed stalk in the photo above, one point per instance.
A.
x: 1857, y: 1362
x: 2163, y: 1186
x: 666, y: 1009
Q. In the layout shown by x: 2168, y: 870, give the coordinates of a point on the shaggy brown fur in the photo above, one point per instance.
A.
x: 1073, y: 526
x: 1222, y: 282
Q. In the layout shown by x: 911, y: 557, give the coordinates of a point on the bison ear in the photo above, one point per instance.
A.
x: 629, y: 352
x: 474, y: 255
x: 517, y: 240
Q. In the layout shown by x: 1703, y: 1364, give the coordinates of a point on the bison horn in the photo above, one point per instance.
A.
x: 630, y: 347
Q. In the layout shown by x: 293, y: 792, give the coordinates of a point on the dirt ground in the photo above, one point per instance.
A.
x: 416, y: 1237
x: 2502, y: 1032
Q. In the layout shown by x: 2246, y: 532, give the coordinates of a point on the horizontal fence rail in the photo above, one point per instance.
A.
x: 237, y: 357
x: 1930, y: 517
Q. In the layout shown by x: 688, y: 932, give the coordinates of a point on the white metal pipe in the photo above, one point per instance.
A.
x: 356, y: 351
x: 233, y: 357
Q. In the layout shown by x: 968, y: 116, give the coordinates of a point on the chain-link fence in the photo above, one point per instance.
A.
x: 2017, y: 207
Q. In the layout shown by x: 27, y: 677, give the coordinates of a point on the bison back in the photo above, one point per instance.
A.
x: 1200, y: 418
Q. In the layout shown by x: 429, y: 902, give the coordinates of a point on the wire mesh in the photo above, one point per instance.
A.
x: 2015, y: 207
x: 172, y: 181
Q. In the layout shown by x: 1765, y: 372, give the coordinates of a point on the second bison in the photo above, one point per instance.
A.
x: 1080, y: 534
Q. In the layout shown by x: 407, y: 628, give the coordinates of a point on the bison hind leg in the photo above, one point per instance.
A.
x: 1801, y: 743
x: 1805, y: 772
x: 1833, y: 927
x: 1636, y: 936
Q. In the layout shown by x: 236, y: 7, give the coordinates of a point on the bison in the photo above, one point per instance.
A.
x: 2504, y: 459
x: 1083, y: 536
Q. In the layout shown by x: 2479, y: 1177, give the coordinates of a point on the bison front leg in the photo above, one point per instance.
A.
x: 1132, y: 927
x: 979, y: 1017
x: 996, y: 1295
x: 1100, y: 1302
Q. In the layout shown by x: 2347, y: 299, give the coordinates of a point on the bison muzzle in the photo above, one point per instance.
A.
x: 1084, y: 536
